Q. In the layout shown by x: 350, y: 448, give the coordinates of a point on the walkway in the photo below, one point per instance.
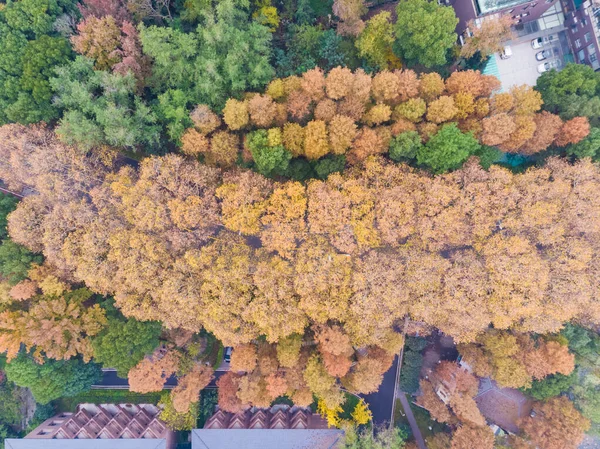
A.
x: 412, y: 421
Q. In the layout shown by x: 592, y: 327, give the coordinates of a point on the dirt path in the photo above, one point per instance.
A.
x: 411, y: 420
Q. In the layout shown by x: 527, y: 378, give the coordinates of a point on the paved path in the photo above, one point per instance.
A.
x: 411, y: 420
x: 381, y: 403
x: 110, y: 381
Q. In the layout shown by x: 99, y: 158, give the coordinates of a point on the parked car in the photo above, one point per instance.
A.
x: 541, y: 41
x: 544, y: 67
x: 537, y: 43
x: 544, y: 54
x: 506, y: 52
x: 227, y: 354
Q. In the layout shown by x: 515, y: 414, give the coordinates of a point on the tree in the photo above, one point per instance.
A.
x: 412, y: 110
x: 316, y: 144
x: 61, y: 327
x: 556, y: 424
x: 123, y: 344
x: 101, y: 8
x: 442, y: 110
x: 288, y: 350
x: 431, y: 87
x: 571, y: 92
x: 262, y: 110
x: 228, y: 385
x: 497, y: 129
x: 349, y: 12
x: 339, y: 82
x: 411, y: 369
x: 15, y: 261
x: 187, y: 391
x: 201, y: 63
x: 551, y: 386
x: 487, y: 38
x: 447, y: 149
x: 30, y: 52
x: 235, y: 114
x: 342, y: 131
x: 381, y: 437
x: 405, y: 145
x: 152, y: 373
x: 52, y: 379
x: 174, y: 419
x: 194, y: 143
x: 361, y: 413
x: 243, y: 358
x: 588, y: 147
x: 224, y: 148
x: 465, y: 435
x: 98, y: 39
x: 269, y: 159
x: 374, y: 43
x: 424, y: 32
x: 101, y: 108
x: 573, y: 131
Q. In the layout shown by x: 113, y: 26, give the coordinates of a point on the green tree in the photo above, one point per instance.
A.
x: 54, y: 378
x: 424, y: 32
x: 374, y: 43
x: 405, y: 146
x: 572, y: 92
x: 15, y: 261
x: 8, y: 203
x: 588, y: 147
x: 329, y: 164
x: 123, y: 344
x: 550, y: 386
x: 101, y: 108
x: 269, y: 160
x: 447, y: 149
x: 29, y: 52
x: 227, y: 55
x: 379, y: 438
x: 410, y: 373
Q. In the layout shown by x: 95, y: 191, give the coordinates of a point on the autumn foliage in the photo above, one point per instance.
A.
x: 356, y: 114
x: 329, y: 269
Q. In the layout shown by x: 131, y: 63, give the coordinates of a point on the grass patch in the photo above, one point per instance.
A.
x: 422, y: 417
x: 105, y: 397
x: 348, y: 406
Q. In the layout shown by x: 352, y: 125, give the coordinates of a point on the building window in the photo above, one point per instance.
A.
x: 573, y: 29
x: 549, y: 1
x: 593, y: 58
x: 591, y: 49
x: 581, y: 55
x: 577, y: 43
x: 584, y: 22
x: 587, y: 37
x: 526, y: 7
x: 575, y: 18
x: 534, y: 4
x: 511, y: 11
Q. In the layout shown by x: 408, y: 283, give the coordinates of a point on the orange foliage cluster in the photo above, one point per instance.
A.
x: 357, y: 114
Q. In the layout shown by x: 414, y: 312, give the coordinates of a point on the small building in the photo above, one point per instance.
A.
x: 104, y: 426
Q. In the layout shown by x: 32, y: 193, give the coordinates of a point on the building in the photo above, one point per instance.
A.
x: 521, y: 11
x: 105, y: 426
x: 582, y: 22
x: 280, y: 427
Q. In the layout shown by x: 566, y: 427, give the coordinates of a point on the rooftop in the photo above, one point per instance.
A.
x: 266, y: 438
x: 502, y: 406
x: 85, y: 444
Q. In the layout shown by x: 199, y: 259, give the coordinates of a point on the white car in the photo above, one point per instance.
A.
x: 544, y: 67
x: 537, y: 43
x: 544, y: 54
x: 506, y: 52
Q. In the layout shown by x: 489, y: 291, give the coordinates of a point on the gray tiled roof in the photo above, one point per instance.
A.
x: 41, y: 443
x: 266, y: 439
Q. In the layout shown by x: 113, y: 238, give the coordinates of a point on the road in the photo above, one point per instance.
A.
x: 381, y: 403
x: 110, y: 381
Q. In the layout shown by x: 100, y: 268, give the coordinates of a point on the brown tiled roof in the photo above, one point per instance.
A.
x: 278, y: 417
x: 105, y: 421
